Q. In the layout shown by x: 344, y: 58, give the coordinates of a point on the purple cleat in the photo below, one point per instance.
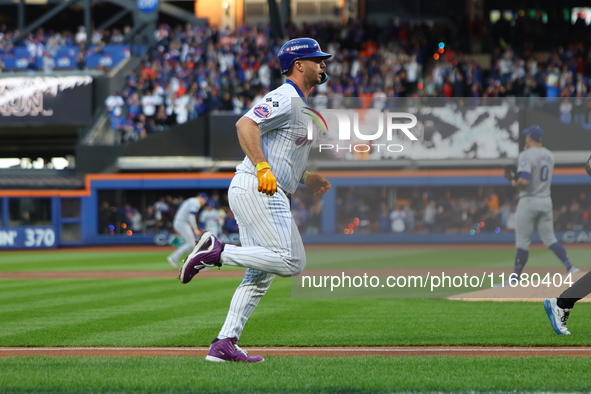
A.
x: 222, y: 350
x: 206, y: 254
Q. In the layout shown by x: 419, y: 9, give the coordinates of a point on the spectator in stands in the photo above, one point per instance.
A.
x: 52, y: 46
x: 133, y: 106
x: 114, y: 104
x: 209, y: 218
x: 364, y: 218
x: 230, y: 225
x: 226, y: 104
x: 384, y: 218
x: 409, y: 218
x: 118, y: 125
x: 116, y: 37
x: 81, y: 37
x: 81, y: 61
x: 180, y: 103
x: 576, y: 216
x: 48, y: 63
x: 32, y: 65
x: 161, y: 118
x: 126, y: 215
x: 561, y: 221
x: 130, y: 134
x: 143, y: 127
x: 315, y: 216
x: 397, y: 217
x: 162, y: 210
x: 150, y: 101
x: 151, y: 224
x: 106, y: 217
x: 429, y: 215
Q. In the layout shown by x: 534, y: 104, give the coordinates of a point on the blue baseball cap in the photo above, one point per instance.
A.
x: 535, y: 132
x: 204, y: 195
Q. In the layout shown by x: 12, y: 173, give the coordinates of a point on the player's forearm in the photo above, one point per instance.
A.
x: 193, y: 222
x: 519, y: 183
x: 249, y: 137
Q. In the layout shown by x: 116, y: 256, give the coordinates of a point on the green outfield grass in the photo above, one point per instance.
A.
x: 162, y: 312
x: 294, y: 375
x: 490, y: 257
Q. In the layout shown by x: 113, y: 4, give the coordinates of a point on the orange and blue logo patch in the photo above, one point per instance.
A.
x: 262, y: 111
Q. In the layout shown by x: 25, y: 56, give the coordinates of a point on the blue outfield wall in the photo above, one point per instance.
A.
x: 49, y: 236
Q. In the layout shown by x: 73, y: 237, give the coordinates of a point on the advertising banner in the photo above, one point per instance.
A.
x: 31, y: 101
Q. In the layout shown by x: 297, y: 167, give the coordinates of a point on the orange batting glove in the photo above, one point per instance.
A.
x: 317, y: 183
x: 267, y: 181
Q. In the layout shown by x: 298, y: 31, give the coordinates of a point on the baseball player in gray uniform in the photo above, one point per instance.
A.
x: 558, y: 309
x: 185, y: 224
x: 534, y: 209
x: 273, y: 136
x: 209, y: 218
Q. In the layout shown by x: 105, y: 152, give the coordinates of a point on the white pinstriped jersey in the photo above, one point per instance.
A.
x: 284, y: 140
x: 536, y: 165
x: 187, y: 211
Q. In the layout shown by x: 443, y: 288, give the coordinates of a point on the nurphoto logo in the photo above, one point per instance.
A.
x: 392, y: 122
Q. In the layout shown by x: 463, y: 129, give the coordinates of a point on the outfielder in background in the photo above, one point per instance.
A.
x: 185, y: 224
x: 558, y: 309
x: 534, y: 210
x: 209, y: 218
x: 274, y: 138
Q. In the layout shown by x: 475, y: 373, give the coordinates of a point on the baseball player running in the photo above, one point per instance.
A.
x: 273, y: 136
x: 558, y: 309
x: 185, y: 224
x: 534, y: 210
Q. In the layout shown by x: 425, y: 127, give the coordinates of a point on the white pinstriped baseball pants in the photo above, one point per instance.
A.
x: 271, y: 245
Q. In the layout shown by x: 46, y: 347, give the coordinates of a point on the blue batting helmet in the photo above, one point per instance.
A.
x: 535, y: 132
x: 299, y: 48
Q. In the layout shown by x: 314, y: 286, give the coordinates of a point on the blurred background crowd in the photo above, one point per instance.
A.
x: 194, y: 70
x: 365, y: 210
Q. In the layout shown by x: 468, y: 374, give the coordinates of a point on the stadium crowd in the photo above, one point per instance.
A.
x: 451, y: 210
x: 159, y: 215
x: 196, y: 70
x: 42, y: 47
x: 531, y: 56
x: 368, y: 210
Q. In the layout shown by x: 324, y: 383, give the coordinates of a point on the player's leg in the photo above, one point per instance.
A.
x: 524, y: 229
x: 546, y: 231
x: 580, y: 289
x: 277, y: 246
x: 185, y: 231
x: 559, y: 309
x: 247, y: 296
